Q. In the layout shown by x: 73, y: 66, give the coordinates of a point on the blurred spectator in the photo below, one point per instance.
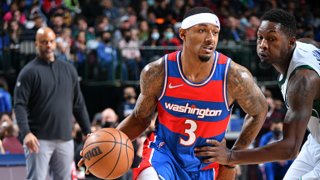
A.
x: 169, y: 39
x: 14, y: 14
x: 14, y: 35
x: 64, y: 42
x: 5, y: 97
x: 143, y: 31
x: 67, y: 18
x: 107, y: 57
x: 10, y: 142
x: 152, y: 51
x: 130, y: 54
x: 152, y: 19
x: 27, y: 45
x: 251, y: 29
x: 49, y: 5
x: 35, y: 10
x: 5, y: 121
x: 79, y: 50
x: 91, y: 10
x: 143, y: 9
x: 82, y: 25
x: 57, y: 23
x: 109, y: 118
x: 124, y: 25
x: 108, y: 10
x: 178, y: 10
x: 127, y: 106
x: 233, y: 33
x: 72, y: 5
x: 163, y: 13
x: 97, y: 120
x: 132, y: 19
x: 38, y: 20
x: 102, y: 24
x: 274, y: 170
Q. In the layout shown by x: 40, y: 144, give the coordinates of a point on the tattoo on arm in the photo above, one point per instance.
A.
x: 243, y: 90
x: 151, y: 85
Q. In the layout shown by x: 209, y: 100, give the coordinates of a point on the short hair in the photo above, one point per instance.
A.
x: 197, y: 10
x: 286, y: 19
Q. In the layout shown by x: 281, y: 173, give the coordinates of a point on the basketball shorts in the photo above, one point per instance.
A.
x: 168, y: 168
x: 307, y: 163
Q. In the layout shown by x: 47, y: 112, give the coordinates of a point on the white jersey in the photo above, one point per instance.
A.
x: 304, y: 56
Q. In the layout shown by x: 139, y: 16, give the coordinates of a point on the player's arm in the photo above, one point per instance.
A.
x: 303, y: 88
x: 151, y: 82
x: 243, y: 89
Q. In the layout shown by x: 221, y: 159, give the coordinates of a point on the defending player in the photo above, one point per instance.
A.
x: 299, y: 65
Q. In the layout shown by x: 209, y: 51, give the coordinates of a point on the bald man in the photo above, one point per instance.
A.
x: 46, y: 96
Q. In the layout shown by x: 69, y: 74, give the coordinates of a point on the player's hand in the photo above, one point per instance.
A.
x: 81, y: 161
x: 31, y: 141
x: 226, y: 173
x: 218, y: 152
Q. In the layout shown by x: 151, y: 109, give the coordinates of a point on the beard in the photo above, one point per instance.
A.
x: 204, y: 58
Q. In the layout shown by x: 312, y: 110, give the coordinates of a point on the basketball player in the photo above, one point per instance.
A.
x: 299, y: 65
x: 193, y: 91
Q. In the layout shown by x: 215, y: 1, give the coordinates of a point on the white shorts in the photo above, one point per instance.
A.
x: 307, y: 164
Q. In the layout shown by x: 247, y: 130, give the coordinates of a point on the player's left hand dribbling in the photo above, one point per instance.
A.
x: 81, y: 161
x: 218, y: 152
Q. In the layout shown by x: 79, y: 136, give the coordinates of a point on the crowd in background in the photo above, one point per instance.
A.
x: 109, y: 38
x: 117, y: 38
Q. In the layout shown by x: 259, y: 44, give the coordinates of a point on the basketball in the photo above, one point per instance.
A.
x: 108, y: 153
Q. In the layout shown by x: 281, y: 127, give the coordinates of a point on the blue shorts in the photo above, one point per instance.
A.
x: 168, y: 168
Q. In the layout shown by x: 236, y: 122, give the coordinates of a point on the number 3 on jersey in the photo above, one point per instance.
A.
x: 190, y: 131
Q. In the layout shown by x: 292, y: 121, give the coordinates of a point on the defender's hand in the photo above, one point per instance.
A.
x: 31, y: 141
x: 218, y: 152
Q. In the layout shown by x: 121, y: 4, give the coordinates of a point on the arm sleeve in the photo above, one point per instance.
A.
x: 22, y: 92
x: 80, y: 111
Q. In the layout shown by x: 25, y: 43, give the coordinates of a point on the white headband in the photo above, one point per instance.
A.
x: 200, y: 19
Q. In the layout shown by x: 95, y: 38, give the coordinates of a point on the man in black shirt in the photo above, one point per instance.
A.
x: 46, y: 95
